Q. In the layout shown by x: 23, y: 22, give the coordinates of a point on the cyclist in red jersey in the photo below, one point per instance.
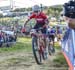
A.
x: 40, y: 17
x: 41, y: 21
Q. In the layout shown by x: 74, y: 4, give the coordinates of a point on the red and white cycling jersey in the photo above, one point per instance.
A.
x: 40, y: 17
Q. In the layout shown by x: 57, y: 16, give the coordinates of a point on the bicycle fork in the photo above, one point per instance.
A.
x: 40, y: 45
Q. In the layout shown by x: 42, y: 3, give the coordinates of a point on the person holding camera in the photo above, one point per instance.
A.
x: 69, y: 16
x: 68, y: 41
x: 69, y: 13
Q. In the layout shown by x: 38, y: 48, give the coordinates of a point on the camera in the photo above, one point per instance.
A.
x: 69, y: 9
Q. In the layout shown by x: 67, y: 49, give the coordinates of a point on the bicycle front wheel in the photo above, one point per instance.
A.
x: 51, y: 48
x: 36, y: 51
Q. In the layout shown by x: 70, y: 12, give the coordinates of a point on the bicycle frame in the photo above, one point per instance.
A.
x: 40, y: 45
x: 39, y: 36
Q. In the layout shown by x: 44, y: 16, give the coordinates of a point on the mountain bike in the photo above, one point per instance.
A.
x: 51, y: 48
x: 39, y: 45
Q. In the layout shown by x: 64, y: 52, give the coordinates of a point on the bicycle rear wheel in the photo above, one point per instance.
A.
x: 36, y: 51
x: 51, y: 48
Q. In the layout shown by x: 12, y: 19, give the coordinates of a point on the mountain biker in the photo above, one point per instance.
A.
x: 51, y: 34
x: 59, y: 33
x: 40, y: 17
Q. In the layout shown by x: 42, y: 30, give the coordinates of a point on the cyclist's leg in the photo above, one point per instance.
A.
x: 51, y: 43
x: 41, y: 40
x: 36, y: 39
x: 45, y: 42
x: 51, y: 39
x: 58, y: 37
x: 44, y: 38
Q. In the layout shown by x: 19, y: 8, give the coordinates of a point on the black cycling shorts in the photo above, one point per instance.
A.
x: 38, y: 25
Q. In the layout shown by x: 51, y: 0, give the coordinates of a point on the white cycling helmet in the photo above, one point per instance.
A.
x: 35, y: 8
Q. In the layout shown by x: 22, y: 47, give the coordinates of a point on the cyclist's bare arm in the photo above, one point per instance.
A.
x: 26, y: 22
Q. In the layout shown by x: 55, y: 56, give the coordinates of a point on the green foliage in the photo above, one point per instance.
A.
x: 22, y: 9
x: 19, y: 10
x: 54, y: 10
x: 6, y: 21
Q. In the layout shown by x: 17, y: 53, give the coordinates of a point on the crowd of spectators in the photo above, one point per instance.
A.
x: 7, y: 36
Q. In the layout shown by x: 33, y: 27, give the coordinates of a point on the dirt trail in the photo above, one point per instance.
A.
x: 25, y: 61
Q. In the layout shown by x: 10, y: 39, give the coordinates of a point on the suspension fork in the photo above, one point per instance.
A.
x: 40, y: 44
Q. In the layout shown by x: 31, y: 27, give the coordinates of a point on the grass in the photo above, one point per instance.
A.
x: 18, y: 60
x: 22, y: 44
x: 59, y: 61
x: 23, y: 39
x: 57, y: 45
